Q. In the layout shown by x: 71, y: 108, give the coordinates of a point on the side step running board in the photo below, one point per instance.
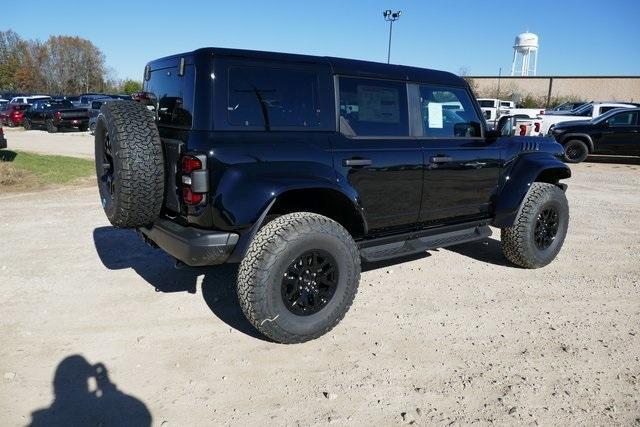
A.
x: 420, y: 244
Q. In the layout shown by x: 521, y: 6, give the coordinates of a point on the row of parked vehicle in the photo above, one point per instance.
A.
x: 54, y: 113
x: 609, y: 128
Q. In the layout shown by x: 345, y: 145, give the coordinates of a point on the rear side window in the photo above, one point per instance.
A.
x: 95, y: 105
x: 171, y: 95
x: 373, y: 107
x: 448, y: 113
x: 273, y: 98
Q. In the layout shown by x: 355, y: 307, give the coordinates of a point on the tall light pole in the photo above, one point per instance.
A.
x: 390, y: 16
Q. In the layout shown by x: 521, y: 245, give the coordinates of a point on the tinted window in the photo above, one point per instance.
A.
x: 373, y: 108
x: 172, y: 96
x: 587, y: 111
x: 95, y: 105
x: 623, y: 119
x: 487, y: 104
x: 272, y: 98
x: 605, y: 109
x: 439, y: 120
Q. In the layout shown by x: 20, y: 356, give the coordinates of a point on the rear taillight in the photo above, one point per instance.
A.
x: 523, y: 130
x: 194, y: 179
x: 541, y: 112
x: 189, y: 164
x: 536, y: 126
x: 58, y: 115
x: 191, y: 198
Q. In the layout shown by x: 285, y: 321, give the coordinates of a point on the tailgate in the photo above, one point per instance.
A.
x: 77, y: 113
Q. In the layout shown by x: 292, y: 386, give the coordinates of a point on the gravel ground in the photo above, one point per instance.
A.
x: 98, y: 328
x: 68, y: 142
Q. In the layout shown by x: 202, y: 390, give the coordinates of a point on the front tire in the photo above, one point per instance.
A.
x: 575, y: 151
x: 299, y: 277
x: 540, y: 228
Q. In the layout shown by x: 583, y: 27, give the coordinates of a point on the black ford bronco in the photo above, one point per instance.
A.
x: 297, y: 167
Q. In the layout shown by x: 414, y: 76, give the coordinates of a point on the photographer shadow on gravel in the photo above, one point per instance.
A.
x: 122, y: 248
x: 84, y: 395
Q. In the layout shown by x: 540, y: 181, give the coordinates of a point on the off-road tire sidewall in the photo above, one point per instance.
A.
x: 51, y: 128
x: 518, y: 244
x: 580, y: 145
x: 273, y: 249
x: 138, y: 164
x: 27, y: 124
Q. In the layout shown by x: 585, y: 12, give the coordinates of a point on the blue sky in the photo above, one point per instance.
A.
x: 577, y: 37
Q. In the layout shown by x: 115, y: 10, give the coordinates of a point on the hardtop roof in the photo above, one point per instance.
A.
x: 343, y: 66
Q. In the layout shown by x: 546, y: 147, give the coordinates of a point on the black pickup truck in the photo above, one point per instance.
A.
x: 54, y: 115
x: 299, y: 167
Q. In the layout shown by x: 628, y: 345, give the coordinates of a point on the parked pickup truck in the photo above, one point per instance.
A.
x: 299, y: 167
x: 55, y: 114
x: 493, y: 108
x: 586, y: 112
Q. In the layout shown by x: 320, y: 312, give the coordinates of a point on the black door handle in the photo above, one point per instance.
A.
x: 356, y: 162
x: 441, y: 159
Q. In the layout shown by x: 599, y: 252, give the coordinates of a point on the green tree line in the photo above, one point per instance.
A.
x: 61, y: 65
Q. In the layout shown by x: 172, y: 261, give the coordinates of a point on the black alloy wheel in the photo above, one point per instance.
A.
x: 107, y: 178
x: 310, y: 282
x: 546, y: 227
x: 575, y: 151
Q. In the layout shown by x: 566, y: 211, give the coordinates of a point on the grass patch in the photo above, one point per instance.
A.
x: 20, y: 170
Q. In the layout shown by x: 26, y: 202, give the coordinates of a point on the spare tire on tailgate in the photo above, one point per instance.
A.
x: 129, y: 164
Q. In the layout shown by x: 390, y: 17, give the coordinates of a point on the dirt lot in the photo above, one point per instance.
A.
x: 96, y: 327
x: 69, y: 142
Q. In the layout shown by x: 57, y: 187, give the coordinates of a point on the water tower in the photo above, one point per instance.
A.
x: 526, y: 45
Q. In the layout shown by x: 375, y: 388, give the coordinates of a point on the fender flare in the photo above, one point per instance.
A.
x: 247, y: 236
x: 580, y: 136
x: 526, y: 170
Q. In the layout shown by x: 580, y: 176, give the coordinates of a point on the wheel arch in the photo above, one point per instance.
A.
x: 331, y: 202
x: 580, y: 137
x: 535, y: 167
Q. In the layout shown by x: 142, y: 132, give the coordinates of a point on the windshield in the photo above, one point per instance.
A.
x: 585, y: 110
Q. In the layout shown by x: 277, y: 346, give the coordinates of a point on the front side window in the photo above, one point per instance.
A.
x: 273, y: 98
x: 448, y: 113
x: 373, y: 108
x: 623, y: 119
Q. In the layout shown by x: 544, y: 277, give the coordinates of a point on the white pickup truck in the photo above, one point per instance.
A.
x: 586, y: 112
x: 493, y: 108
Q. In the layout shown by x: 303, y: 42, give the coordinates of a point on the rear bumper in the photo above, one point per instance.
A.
x: 190, y: 245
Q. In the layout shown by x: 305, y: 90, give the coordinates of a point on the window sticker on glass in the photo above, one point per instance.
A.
x: 435, y: 115
x: 378, y: 104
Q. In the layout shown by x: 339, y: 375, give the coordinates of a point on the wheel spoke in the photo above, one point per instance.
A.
x: 309, y: 282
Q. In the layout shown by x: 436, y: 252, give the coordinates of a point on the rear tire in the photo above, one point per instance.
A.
x: 83, y: 128
x: 299, y: 277
x: 575, y: 151
x: 540, y: 227
x: 27, y: 124
x: 51, y: 128
x: 129, y: 164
